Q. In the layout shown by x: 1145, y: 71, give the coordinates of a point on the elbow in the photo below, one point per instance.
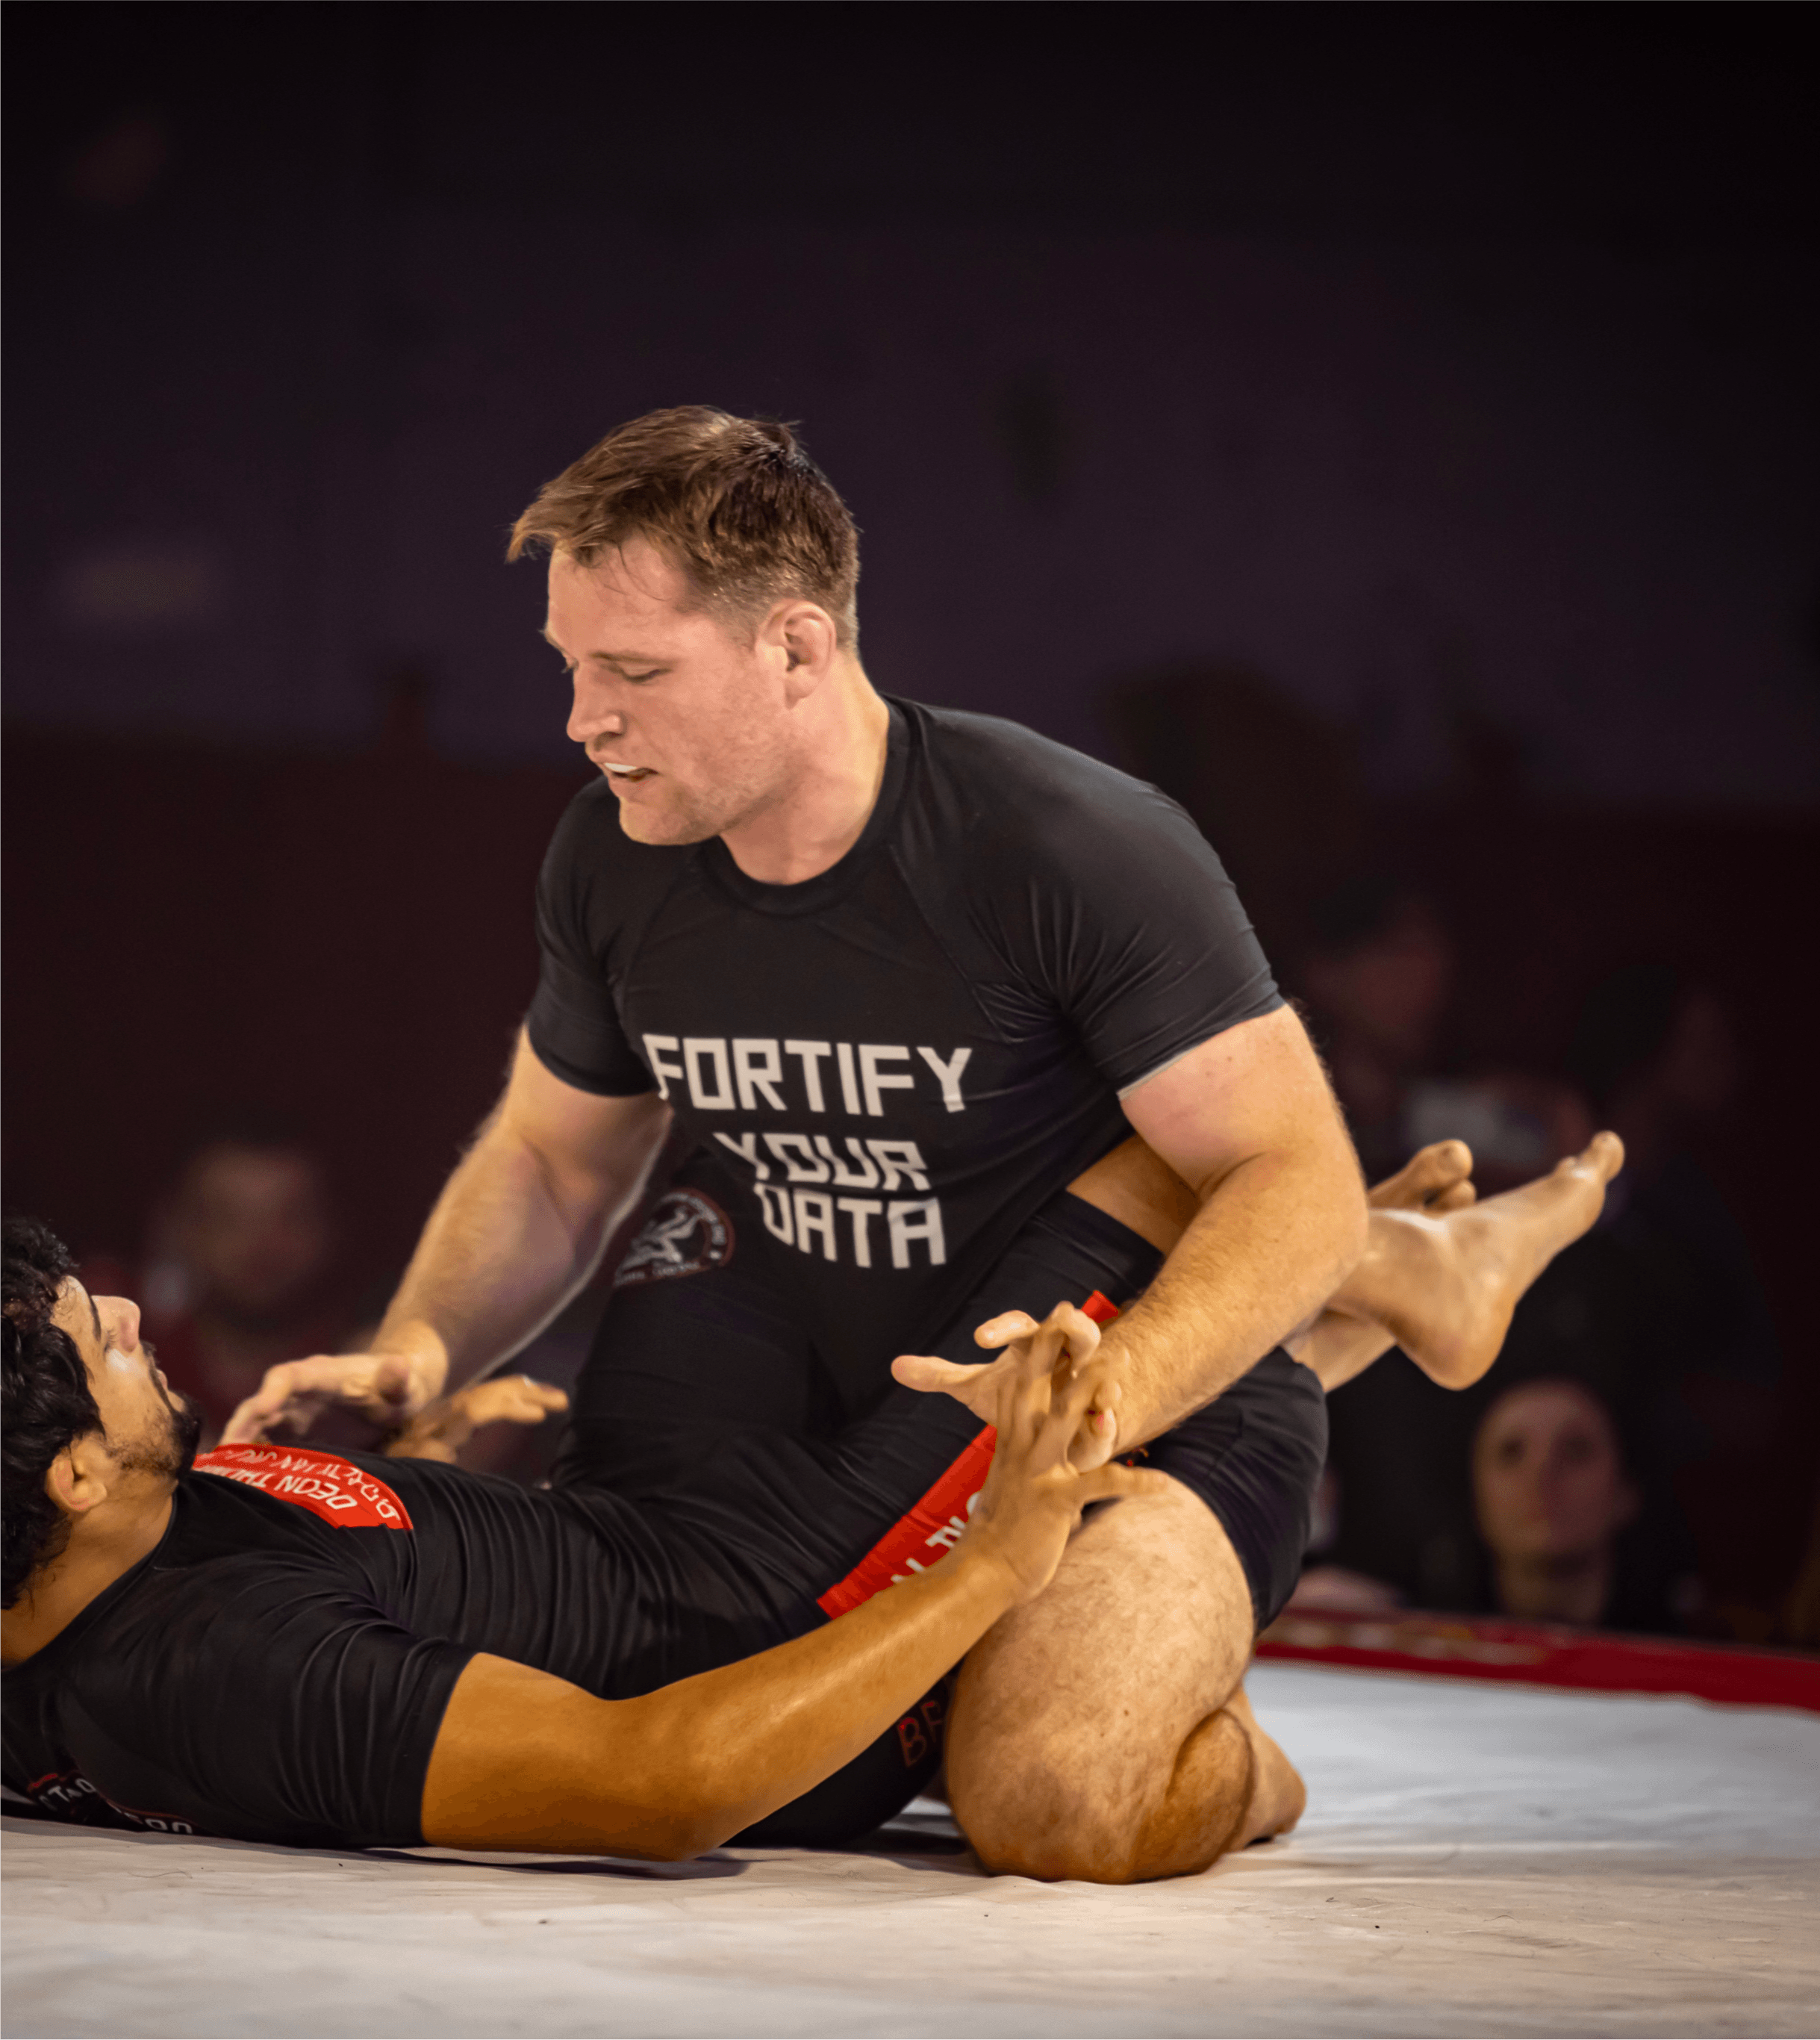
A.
x: 693, y: 1832
x: 681, y: 1841
x: 1348, y: 1217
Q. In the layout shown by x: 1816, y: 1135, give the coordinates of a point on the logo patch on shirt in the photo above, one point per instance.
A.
x: 325, y: 1483
x: 686, y: 1234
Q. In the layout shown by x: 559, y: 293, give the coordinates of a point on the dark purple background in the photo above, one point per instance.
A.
x: 1448, y: 370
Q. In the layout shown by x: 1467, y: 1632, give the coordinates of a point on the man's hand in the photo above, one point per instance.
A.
x: 447, y: 1424
x: 387, y: 1388
x: 1040, y: 1399
x: 978, y: 1387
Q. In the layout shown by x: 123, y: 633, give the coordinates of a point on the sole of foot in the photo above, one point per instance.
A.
x: 1471, y: 1266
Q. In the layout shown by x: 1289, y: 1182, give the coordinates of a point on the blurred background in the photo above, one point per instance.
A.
x: 1391, y: 430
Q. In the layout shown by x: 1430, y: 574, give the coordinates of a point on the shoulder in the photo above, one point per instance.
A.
x: 1016, y: 793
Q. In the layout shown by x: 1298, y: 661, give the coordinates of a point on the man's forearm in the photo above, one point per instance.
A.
x: 1271, y: 1243
x: 524, y: 1760
x: 512, y: 1240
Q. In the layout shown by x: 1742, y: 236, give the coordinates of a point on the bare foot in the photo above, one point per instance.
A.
x: 1279, y: 1796
x: 1437, y: 1178
x: 1446, y: 1286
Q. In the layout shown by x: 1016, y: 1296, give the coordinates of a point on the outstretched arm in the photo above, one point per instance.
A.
x: 517, y: 1231
x: 525, y: 1760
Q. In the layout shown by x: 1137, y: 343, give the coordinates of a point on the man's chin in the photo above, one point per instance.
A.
x: 663, y: 828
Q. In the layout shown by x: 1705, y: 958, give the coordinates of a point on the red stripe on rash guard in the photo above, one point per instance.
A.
x: 917, y: 1540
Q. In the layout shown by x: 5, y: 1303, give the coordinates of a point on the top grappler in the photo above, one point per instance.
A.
x: 900, y: 974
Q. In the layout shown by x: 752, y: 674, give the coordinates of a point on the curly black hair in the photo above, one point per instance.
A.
x: 47, y: 1401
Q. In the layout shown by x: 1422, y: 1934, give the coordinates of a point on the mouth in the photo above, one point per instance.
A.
x: 624, y: 775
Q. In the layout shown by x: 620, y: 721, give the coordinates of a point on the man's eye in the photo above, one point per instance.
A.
x: 639, y: 679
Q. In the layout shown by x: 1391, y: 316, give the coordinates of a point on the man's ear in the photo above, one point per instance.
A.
x: 77, y: 1478
x: 805, y: 634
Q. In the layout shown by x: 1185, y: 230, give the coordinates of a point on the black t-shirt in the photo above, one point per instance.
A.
x: 278, y: 1668
x: 896, y: 1063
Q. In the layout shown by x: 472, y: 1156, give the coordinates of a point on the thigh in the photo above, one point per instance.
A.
x: 1070, y: 1717
x: 1073, y: 1711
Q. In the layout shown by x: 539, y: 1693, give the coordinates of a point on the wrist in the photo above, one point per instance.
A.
x: 422, y: 1350
x: 981, y: 1558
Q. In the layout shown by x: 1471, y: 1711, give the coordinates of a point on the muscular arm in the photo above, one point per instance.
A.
x: 1249, y: 1123
x: 518, y: 1229
x: 521, y: 1223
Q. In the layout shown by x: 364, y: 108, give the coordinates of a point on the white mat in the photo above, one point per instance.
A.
x: 1476, y: 1859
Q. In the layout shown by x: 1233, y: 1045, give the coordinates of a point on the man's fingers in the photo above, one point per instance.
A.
x: 249, y: 1422
x: 1109, y: 1482
x: 392, y: 1380
x: 930, y: 1374
x: 293, y: 1391
x: 1008, y: 1325
x: 513, y: 1399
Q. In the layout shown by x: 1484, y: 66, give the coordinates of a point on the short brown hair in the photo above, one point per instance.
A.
x: 736, y: 502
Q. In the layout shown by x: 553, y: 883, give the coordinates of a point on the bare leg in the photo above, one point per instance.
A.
x: 1094, y: 1733
x: 1437, y: 1179
x: 1102, y: 1732
x: 1444, y: 1287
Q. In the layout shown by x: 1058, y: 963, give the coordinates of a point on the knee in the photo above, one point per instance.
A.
x: 1049, y: 1816
x: 1103, y: 1823
x: 1050, y: 1835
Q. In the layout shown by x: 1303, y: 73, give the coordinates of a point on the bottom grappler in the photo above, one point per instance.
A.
x: 292, y: 1645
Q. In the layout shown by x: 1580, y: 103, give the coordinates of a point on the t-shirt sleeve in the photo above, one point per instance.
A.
x: 267, y: 1705
x: 1127, y: 920
x: 573, y: 1025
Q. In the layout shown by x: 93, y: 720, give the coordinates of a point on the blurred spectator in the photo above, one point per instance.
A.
x: 1552, y: 1495
x: 1657, y: 1057
x: 1558, y: 1517
x: 1657, y: 1314
x: 240, y: 1267
x: 1666, y: 1288
x: 1379, y: 973
x: 1325, y: 1585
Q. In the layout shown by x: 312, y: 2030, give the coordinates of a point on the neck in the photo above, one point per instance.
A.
x: 840, y: 767
x: 1573, y: 1588
x: 98, y: 1553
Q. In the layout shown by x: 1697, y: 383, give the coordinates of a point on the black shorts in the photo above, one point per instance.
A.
x: 704, y: 1398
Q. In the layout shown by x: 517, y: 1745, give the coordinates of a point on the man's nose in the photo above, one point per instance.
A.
x: 120, y: 1320
x: 591, y: 717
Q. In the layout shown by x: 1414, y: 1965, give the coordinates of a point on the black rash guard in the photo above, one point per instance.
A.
x: 890, y: 1067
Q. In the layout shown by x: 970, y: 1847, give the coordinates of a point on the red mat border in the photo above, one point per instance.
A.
x: 1542, y: 1654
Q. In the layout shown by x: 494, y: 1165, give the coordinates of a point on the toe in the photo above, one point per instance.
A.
x: 1428, y: 1175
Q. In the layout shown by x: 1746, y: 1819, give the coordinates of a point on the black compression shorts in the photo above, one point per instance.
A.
x: 702, y: 1393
